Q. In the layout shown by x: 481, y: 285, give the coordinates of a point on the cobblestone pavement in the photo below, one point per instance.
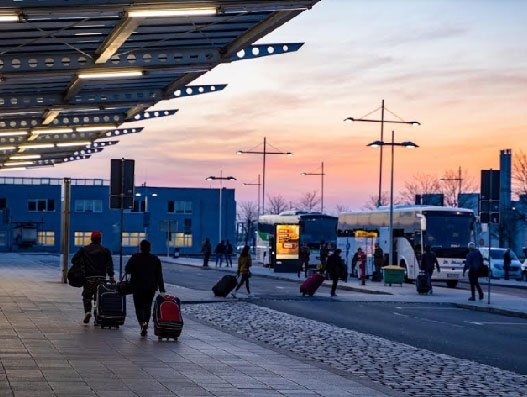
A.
x: 400, y: 367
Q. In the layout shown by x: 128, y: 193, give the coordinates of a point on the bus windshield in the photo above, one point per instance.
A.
x: 315, y: 230
x: 447, y: 231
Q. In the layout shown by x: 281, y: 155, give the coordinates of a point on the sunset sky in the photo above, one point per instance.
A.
x: 458, y: 67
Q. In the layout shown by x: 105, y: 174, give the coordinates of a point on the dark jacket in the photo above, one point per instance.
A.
x: 304, y: 254
x: 146, y: 273
x: 335, y: 265
x: 428, y: 261
x: 507, y: 259
x: 378, y: 257
x: 228, y: 249
x: 473, y: 262
x: 97, y: 260
x: 220, y: 249
x: 206, y: 248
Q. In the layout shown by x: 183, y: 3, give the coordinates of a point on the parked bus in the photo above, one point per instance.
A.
x: 447, y: 230
x: 279, y: 237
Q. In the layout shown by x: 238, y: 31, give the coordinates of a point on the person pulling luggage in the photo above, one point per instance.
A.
x: 244, y: 264
x: 97, y: 262
x: 428, y: 262
x: 146, y: 276
x: 303, y: 257
x: 335, y: 268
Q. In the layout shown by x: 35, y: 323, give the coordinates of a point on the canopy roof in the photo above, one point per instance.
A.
x: 72, y: 72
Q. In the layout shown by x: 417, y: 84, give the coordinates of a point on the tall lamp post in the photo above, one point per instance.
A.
x: 392, y: 144
x: 321, y: 174
x: 459, y: 180
x: 264, y: 153
x: 220, y: 178
x: 256, y: 184
x: 382, y: 121
x: 146, y: 218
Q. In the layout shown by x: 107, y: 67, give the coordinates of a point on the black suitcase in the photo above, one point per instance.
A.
x: 225, y: 286
x: 422, y: 283
x: 168, y: 321
x: 110, y: 307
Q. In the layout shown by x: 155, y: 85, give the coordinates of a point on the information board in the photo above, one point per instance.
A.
x: 287, y: 241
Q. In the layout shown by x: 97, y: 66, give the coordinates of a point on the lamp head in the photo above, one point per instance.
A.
x: 210, y: 178
x: 415, y: 123
x: 239, y: 152
x: 231, y: 178
x: 375, y: 144
x: 289, y: 153
x: 409, y: 145
x: 303, y: 173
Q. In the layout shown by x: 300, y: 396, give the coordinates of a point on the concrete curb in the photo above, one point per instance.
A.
x: 491, y: 309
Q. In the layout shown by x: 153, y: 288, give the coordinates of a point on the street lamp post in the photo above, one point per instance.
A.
x: 459, y: 180
x: 382, y: 121
x: 264, y: 153
x: 220, y: 178
x: 146, y: 219
x: 256, y: 184
x: 321, y: 173
x: 406, y: 144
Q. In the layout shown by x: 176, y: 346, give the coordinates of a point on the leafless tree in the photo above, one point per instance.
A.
x: 519, y: 174
x: 276, y: 204
x: 342, y: 208
x: 247, y: 212
x: 455, y: 182
x: 309, y: 201
x: 373, y: 200
x: 420, y: 184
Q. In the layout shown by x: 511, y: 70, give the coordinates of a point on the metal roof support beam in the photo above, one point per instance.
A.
x: 152, y: 114
x: 49, y: 116
x: 116, y: 38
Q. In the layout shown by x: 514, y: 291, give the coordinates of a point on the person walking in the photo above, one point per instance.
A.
x: 98, y: 263
x: 146, y: 278
x: 359, y: 258
x: 206, y: 250
x: 324, y: 253
x: 472, y: 263
x: 428, y: 262
x: 378, y: 261
x: 303, y: 258
x: 244, y: 264
x: 335, y: 268
x: 220, y: 252
x: 507, y: 263
x: 228, y: 254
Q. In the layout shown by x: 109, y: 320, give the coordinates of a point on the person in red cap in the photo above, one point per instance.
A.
x: 97, y: 264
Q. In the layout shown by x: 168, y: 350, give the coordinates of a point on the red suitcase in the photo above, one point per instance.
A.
x: 311, y: 284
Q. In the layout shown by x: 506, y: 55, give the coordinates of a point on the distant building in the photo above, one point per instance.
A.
x: 430, y: 199
x: 30, y: 216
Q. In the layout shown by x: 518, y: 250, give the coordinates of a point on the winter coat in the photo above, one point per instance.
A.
x: 98, y: 260
x: 244, y: 263
x: 145, y: 271
x: 428, y: 261
x: 473, y: 261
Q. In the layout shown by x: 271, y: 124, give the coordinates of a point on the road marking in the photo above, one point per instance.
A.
x: 494, y: 323
x: 428, y: 320
x: 279, y: 287
x: 429, y: 308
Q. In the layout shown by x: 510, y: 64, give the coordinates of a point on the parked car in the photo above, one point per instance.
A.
x: 496, y: 263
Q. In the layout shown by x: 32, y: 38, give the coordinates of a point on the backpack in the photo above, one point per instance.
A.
x: 76, y: 273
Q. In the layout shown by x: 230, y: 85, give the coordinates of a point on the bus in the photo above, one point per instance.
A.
x: 279, y: 237
x: 447, y: 230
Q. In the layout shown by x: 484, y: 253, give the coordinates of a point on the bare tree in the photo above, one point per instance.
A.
x: 342, y: 208
x: 456, y: 182
x: 519, y: 174
x: 420, y: 184
x: 309, y: 201
x: 372, y: 201
x: 276, y: 205
x: 247, y: 212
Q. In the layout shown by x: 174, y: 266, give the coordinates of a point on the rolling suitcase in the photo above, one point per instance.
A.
x: 311, y: 284
x: 110, y: 307
x: 168, y: 322
x: 225, y: 286
x: 422, y: 283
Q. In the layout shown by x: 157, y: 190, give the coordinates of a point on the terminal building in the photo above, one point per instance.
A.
x: 173, y: 219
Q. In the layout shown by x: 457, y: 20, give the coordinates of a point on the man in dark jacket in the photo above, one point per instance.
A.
x: 206, y: 250
x: 378, y: 261
x: 220, y: 252
x: 146, y: 278
x: 335, y: 268
x: 472, y: 263
x: 228, y: 254
x: 97, y: 261
x: 507, y: 263
x: 303, y: 258
x: 428, y: 262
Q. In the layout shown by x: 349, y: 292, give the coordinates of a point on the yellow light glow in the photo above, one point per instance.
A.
x: 110, y: 74
x: 9, y: 17
x: 67, y: 144
x: 17, y: 163
x: 13, y: 169
x: 37, y: 146
x: 52, y: 130
x: 7, y: 147
x: 174, y: 12
x: 13, y: 133
x: 25, y: 157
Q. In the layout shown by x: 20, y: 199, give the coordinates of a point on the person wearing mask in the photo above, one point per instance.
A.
x: 335, y: 268
x: 428, y: 262
x: 98, y: 263
x: 472, y: 263
x: 244, y: 265
x: 146, y: 276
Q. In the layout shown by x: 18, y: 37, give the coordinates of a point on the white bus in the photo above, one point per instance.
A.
x: 447, y: 230
x: 295, y: 228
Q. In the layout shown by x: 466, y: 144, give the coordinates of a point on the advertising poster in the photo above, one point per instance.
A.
x: 287, y: 241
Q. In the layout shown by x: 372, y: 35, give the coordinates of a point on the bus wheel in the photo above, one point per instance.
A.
x: 451, y: 283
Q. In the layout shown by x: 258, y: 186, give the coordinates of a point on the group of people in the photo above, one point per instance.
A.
x: 223, y: 250
x: 144, y: 268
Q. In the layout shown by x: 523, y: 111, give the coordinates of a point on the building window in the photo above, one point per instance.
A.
x: 188, y: 226
x: 139, y: 206
x: 132, y: 239
x: 41, y: 205
x: 178, y: 239
x: 3, y: 240
x: 46, y: 238
x: 3, y: 203
x: 180, y: 207
x: 88, y: 205
x: 81, y: 238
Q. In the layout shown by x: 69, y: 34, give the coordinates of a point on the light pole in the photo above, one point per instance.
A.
x: 392, y: 144
x: 256, y: 184
x: 382, y: 121
x: 321, y: 173
x: 459, y: 180
x: 220, y: 178
x: 146, y: 220
x: 264, y: 153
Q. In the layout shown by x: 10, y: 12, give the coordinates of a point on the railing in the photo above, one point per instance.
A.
x: 51, y: 181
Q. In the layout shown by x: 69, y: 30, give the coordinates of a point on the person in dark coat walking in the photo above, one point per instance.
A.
x: 507, y: 263
x: 146, y: 278
x: 228, y: 254
x: 428, y: 262
x: 378, y: 261
x: 220, y: 252
x: 303, y: 258
x: 97, y: 264
x: 206, y: 250
x: 473, y: 262
x: 335, y: 269
x: 324, y: 253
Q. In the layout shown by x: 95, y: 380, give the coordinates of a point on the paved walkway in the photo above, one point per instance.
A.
x: 377, y: 291
x: 46, y: 351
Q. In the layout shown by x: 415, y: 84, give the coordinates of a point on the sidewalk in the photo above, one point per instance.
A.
x: 377, y: 291
x: 45, y: 350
